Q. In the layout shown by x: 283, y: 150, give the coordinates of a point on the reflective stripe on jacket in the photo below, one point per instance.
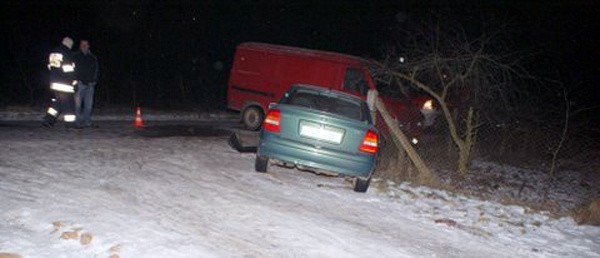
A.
x: 62, y: 70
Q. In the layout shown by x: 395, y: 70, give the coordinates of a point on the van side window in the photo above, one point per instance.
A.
x: 354, y: 80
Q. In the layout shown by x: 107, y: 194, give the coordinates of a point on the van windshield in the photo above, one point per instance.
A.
x: 326, y: 101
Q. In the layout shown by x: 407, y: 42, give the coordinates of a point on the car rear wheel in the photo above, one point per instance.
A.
x: 252, y: 118
x: 361, y: 184
x: 261, y: 164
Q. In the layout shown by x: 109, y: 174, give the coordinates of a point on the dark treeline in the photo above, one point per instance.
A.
x: 166, y: 55
x: 178, y: 54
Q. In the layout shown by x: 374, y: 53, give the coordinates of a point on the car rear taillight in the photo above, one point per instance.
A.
x: 272, y: 120
x: 370, y: 142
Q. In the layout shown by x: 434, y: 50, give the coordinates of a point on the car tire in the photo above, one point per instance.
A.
x: 361, y: 184
x: 261, y: 164
x: 252, y: 118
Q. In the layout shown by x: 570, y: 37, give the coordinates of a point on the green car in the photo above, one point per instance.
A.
x: 321, y: 130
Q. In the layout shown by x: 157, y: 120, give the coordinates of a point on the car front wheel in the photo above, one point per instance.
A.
x: 361, y: 184
x: 261, y: 164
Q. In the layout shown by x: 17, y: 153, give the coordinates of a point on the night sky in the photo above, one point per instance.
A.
x: 143, y: 43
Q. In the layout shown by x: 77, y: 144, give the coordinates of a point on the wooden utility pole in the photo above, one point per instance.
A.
x: 399, y: 138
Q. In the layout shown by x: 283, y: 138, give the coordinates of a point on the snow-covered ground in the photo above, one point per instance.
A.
x: 113, y: 190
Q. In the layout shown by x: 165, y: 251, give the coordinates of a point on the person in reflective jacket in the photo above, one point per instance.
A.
x: 62, y: 84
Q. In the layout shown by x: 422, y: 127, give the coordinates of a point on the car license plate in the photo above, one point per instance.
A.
x: 321, y: 132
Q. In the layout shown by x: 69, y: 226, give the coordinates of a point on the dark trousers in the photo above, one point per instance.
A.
x: 62, y: 103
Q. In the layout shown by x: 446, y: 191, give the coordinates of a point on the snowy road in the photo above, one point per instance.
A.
x: 178, y: 190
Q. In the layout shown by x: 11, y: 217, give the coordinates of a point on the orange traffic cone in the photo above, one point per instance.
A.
x: 138, y: 122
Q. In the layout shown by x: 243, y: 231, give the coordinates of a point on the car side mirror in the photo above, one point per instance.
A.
x: 272, y: 104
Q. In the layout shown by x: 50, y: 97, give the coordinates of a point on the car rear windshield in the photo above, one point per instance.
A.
x: 326, y: 101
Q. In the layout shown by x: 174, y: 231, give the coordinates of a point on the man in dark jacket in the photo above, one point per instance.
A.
x: 62, y: 84
x: 87, y: 78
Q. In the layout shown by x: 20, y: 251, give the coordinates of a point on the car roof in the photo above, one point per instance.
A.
x: 323, y: 89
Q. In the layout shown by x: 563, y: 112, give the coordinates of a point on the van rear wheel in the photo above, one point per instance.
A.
x: 252, y: 118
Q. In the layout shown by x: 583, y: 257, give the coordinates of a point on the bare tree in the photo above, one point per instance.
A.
x: 563, y: 136
x: 469, y: 75
x: 564, y: 126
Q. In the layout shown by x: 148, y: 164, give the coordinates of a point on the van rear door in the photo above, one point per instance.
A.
x: 249, y: 79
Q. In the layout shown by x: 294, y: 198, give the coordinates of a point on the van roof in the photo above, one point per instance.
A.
x: 332, y: 56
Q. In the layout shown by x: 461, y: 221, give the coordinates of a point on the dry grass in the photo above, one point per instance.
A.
x: 69, y: 235
x: 589, y: 214
x: 529, y: 153
x: 396, y: 166
x: 86, y: 239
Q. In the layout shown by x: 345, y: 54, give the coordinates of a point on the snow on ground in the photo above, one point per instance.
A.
x: 139, y: 194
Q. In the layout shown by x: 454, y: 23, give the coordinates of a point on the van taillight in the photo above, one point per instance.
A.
x: 272, y: 119
x: 370, y: 142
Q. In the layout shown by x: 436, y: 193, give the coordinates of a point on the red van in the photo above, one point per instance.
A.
x: 262, y: 72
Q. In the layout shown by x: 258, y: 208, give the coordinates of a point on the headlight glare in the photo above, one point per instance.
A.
x: 428, y: 105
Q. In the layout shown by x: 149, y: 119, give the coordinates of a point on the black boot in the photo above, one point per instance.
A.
x: 49, y: 121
